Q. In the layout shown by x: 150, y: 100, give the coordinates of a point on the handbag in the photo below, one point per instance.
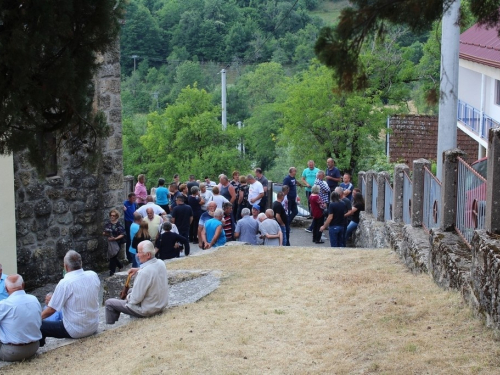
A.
x: 113, y: 248
x: 126, y: 287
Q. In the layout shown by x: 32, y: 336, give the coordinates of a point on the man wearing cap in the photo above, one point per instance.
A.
x: 255, y: 211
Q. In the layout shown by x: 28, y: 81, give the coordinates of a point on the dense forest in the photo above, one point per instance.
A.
x: 173, y: 51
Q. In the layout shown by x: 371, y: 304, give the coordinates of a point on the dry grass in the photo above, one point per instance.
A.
x: 294, y: 311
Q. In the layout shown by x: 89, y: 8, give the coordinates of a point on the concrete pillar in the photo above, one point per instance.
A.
x: 269, y: 194
x: 417, y: 206
x: 449, y: 189
x: 369, y: 191
x: 492, y: 222
x: 361, y: 176
x: 8, y: 215
x: 397, y: 204
x: 128, y: 185
x: 381, y: 177
x: 448, y: 103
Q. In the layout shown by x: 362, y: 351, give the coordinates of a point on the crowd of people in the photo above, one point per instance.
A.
x: 197, y: 212
x: 208, y: 214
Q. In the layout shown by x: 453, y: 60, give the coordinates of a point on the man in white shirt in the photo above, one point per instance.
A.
x: 149, y: 296
x: 77, y: 297
x: 20, y: 321
x: 255, y: 191
x: 150, y: 204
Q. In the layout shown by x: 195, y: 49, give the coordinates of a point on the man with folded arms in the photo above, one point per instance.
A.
x: 20, y: 321
x: 149, y: 295
x: 77, y: 297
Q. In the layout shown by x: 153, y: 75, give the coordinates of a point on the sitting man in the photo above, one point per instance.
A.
x: 77, y: 297
x: 246, y: 228
x: 270, y: 230
x: 166, y: 243
x: 149, y: 296
x: 20, y: 321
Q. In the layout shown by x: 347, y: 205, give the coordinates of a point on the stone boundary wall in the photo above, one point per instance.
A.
x: 475, y: 272
x: 67, y: 211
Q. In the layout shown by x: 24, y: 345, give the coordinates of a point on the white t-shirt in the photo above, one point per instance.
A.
x: 254, y: 190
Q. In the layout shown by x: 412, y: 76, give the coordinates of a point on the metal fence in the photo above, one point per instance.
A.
x: 471, y: 117
x: 471, y: 201
x: 432, y: 200
x: 388, y: 193
x: 374, y: 196
x: 407, y: 195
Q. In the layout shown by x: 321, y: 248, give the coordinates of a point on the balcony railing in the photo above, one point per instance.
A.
x: 471, y: 118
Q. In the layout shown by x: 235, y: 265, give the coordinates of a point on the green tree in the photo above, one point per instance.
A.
x: 47, y: 64
x: 187, y: 137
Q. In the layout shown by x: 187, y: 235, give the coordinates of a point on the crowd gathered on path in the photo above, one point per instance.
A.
x: 161, y: 225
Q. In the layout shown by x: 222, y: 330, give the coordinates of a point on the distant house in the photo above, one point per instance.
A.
x: 479, y: 84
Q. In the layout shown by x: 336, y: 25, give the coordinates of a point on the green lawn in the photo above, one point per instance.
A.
x: 329, y: 10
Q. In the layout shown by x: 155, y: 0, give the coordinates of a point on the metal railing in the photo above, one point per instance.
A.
x: 388, y: 193
x: 407, y: 196
x: 471, y: 201
x: 432, y: 200
x: 471, y: 118
x: 374, y: 196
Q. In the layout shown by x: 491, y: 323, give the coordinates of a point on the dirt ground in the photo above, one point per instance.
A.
x: 294, y: 311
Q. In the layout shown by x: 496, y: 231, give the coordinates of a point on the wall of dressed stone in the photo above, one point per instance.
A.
x: 67, y: 211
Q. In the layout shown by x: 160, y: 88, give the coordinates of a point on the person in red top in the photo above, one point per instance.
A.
x: 317, y: 213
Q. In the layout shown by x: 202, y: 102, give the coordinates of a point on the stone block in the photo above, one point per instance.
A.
x: 104, y: 101
x: 28, y: 240
x: 370, y: 233
x: 55, y: 181
x: 60, y: 207
x: 92, y: 245
x: 415, y: 249
x: 70, y: 194
x: 64, y: 219
x: 115, y: 181
x: 63, y: 245
x: 89, y: 182
x: 25, y: 210
x: 92, y: 202
x: 35, y: 191
x: 77, y: 207
x: 43, y: 207
x: 22, y: 228
x: 450, y: 261
x: 24, y: 177
x: 485, y: 277
x: 53, y: 194
x: 114, y: 143
x: 76, y: 230
x: 54, y: 232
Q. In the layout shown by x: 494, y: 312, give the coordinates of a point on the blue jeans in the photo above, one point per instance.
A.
x: 350, y: 228
x: 53, y: 329
x: 283, y: 230
x: 293, y: 210
x: 336, y: 236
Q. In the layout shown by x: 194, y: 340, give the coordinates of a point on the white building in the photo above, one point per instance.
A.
x: 479, y: 84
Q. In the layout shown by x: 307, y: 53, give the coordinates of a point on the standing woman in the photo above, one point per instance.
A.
x: 141, y: 235
x: 358, y: 205
x: 242, y: 197
x: 236, y: 184
x: 115, y: 231
x: 140, y: 190
x: 162, y: 195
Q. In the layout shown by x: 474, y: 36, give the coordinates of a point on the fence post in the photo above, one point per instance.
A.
x: 128, y: 183
x: 397, y: 205
x: 381, y: 195
x: 449, y: 189
x: 361, y: 176
x: 369, y: 191
x: 492, y: 222
x: 417, y: 206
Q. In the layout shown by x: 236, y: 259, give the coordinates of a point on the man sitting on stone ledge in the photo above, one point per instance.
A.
x: 77, y: 297
x: 20, y: 322
x: 149, y: 295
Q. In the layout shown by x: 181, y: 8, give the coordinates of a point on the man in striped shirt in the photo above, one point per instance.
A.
x: 77, y: 297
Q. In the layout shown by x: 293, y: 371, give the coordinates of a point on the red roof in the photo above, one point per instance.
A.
x: 481, y: 45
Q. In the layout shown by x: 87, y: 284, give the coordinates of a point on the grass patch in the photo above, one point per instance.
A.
x: 313, y: 311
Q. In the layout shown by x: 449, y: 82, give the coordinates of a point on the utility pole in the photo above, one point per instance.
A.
x: 223, y: 83
x: 448, y: 90
x: 134, y: 57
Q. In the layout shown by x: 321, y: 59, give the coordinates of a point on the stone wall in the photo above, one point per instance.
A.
x: 66, y: 211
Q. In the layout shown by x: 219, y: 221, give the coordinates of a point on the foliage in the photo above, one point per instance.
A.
x: 339, y: 47
x: 47, y: 64
x: 187, y: 138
